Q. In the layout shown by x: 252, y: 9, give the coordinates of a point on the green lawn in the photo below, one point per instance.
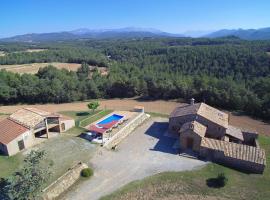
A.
x: 8, y: 165
x: 66, y: 151
x: 94, y: 118
x: 83, y: 118
x: 79, y: 115
x: 239, y: 186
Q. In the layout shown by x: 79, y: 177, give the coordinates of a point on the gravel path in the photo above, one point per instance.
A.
x: 144, y: 153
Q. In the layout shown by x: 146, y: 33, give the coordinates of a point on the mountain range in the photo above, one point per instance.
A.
x: 84, y: 33
x: 247, y: 34
x: 131, y: 32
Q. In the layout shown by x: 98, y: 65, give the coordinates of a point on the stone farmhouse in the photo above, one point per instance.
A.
x: 29, y: 126
x: 206, y: 131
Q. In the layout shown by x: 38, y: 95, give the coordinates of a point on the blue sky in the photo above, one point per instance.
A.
x: 176, y: 16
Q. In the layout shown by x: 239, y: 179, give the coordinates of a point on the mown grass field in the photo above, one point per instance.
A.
x: 2, y: 53
x: 33, y: 68
x: 173, y: 185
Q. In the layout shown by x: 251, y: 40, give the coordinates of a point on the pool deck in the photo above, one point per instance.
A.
x: 127, y: 115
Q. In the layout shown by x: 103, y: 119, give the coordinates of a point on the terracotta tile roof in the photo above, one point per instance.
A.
x: 214, y: 115
x: 235, y: 132
x: 237, y: 151
x: 30, y: 117
x: 195, y: 126
x: 204, y: 110
x: 94, y: 128
x: 10, y: 130
x: 38, y: 111
x: 185, y: 110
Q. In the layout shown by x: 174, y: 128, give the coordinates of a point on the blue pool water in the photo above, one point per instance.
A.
x: 111, y: 118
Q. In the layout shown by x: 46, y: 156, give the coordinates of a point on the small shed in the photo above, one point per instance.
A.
x: 138, y: 109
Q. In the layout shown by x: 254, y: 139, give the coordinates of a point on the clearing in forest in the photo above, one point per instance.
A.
x: 2, y: 53
x: 33, y: 68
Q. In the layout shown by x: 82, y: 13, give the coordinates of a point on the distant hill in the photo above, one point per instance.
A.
x: 247, y: 34
x: 84, y: 33
x: 133, y: 32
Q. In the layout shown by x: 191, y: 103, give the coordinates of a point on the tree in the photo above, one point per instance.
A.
x: 83, y: 71
x: 27, y: 182
x: 93, y: 105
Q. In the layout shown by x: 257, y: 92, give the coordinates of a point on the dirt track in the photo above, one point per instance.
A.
x: 159, y: 106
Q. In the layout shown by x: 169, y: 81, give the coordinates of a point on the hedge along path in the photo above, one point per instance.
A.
x: 102, y: 113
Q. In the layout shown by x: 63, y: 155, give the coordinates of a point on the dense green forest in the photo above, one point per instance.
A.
x: 228, y: 72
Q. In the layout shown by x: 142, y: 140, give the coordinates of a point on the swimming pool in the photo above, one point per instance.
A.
x: 111, y: 118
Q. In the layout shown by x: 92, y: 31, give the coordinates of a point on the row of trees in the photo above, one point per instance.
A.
x: 54, y: 85
x: 69, y: 55
x: 229, y: 73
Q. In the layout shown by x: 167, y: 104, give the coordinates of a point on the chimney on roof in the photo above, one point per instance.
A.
x: 192, y: 101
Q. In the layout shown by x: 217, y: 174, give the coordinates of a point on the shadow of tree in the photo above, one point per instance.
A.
x: 82, y: 114
x: 218, y: 182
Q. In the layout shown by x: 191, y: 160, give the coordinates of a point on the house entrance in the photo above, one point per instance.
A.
x: 189, y: 143
x: 63, y: 127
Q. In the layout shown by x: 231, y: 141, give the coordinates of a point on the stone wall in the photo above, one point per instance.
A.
x: 64, y: 182
x: 189, y: 134
x: 125, y: 131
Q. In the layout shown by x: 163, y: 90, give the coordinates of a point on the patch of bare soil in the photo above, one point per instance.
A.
x: 3, y: 117
x: 35, y: 50
x: 248, y: 123
x: 159, y: 106
x: 2, y: 53
x: 33, y: 68
x: 175, y: 197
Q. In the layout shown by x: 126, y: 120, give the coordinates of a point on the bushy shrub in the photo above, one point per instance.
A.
x: 87, y: 172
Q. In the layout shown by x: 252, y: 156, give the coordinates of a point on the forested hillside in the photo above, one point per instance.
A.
x: 227, y: 72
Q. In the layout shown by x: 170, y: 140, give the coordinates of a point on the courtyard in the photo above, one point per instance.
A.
x: 146, y: 151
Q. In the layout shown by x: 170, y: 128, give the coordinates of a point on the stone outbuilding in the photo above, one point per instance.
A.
x: 191, y: 134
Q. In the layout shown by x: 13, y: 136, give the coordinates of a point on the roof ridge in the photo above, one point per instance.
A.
x: 29, y: 109
x: 18, y: 122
